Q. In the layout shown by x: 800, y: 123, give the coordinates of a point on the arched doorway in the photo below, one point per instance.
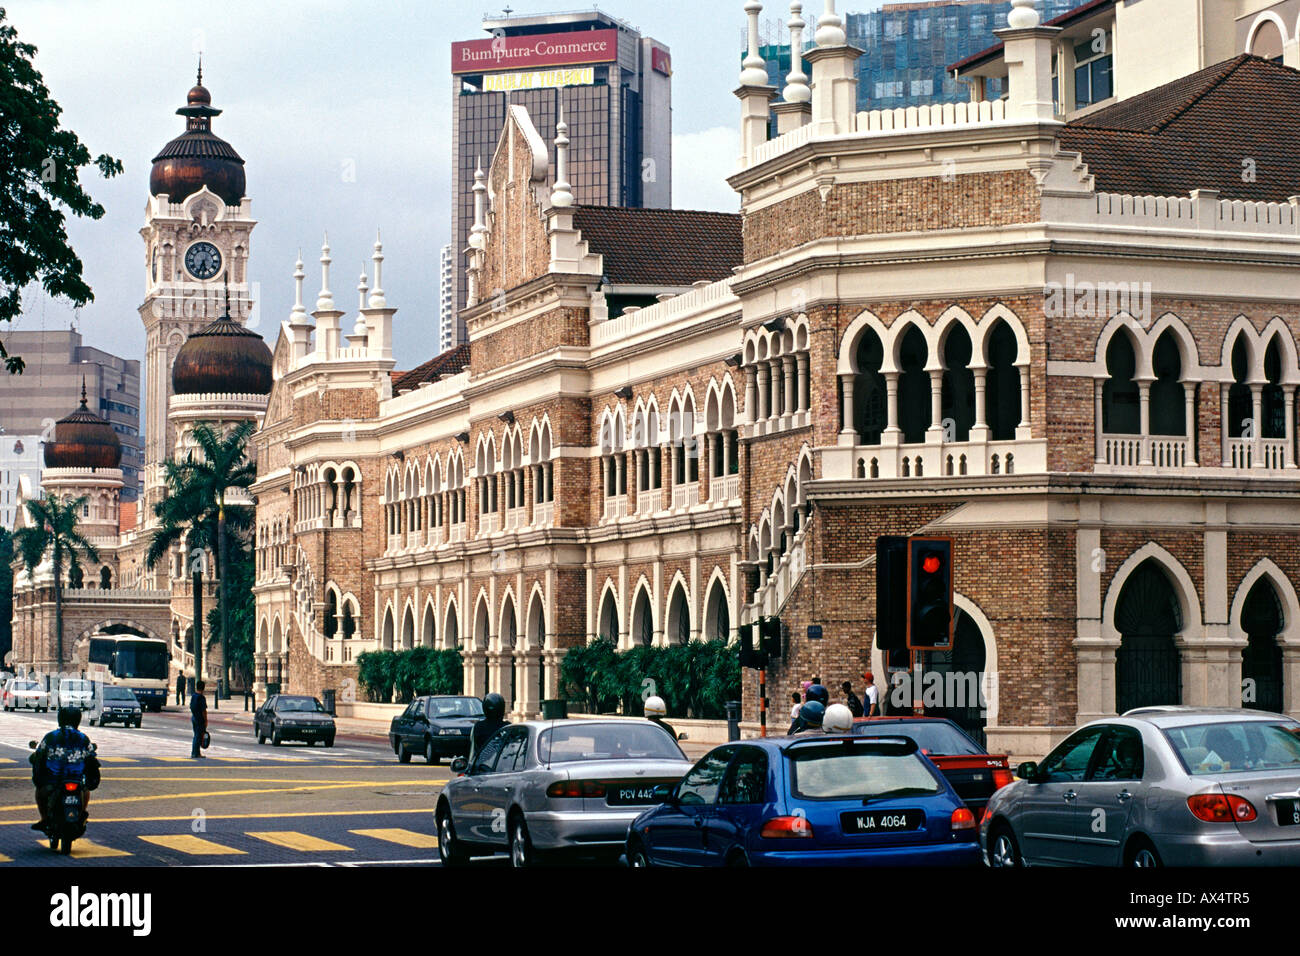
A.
x: 1261, y: 658
x: 962, y: 669
x: 1147, y: 663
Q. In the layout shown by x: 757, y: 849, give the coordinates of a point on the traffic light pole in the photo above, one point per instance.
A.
x: 762, y: 701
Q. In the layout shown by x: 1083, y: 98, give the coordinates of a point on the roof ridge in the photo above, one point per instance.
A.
x: 1214, y: 82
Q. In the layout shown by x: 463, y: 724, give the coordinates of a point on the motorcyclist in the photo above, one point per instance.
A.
x: 819, y: 693
x: 64, y: 755
x: 811, y: 716
x: 656, y: 710
x: 838, y: 720
x: 494, y: 718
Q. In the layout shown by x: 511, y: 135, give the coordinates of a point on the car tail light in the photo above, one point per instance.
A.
x: 780, y: 828
x: 1221, y: 808
x: 963, y: 819
x: 1002, y: 778
x: 70, y: 787
x: 574, y: 789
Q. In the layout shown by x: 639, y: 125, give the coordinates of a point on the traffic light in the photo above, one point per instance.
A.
x: 749, y: 657
x: 891, y: 593
x: 929, y: 591
x: 769, y: 632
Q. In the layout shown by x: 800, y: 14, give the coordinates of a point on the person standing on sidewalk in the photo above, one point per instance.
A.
x: 871, y: 696
x: 198, y: 718
x: 851, y: 699
x: 180, y: 689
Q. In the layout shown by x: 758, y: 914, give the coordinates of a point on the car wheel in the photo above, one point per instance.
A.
x: 449, y: 850
x: 137, y: 724
x: 65, y: 846
x: 54, y: 844
x: 403, y: 755
x: 637, y: 857
x: 1004, y: 852
x: 329, y: 741
x: 1143, y: 855
x: 92, y: 721
x: 429, y: 756
x: 276, y: 739
x: 261, y: 738
x: 737, y: 858
x: 521, y: 847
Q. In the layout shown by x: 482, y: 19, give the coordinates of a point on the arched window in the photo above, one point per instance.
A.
x: 387, y: 642
x: 1240, y: 406
x: 1147, y: 664
x: 1002, y: 384
x: 1272, y: 400
x: 331, y: 613
x: 1167, y: 413
x: 482, y: 627
x: 679, y: 617
x: 1120, y: 414
x: 429, y: 634
x: 75, y: 577
x: 643, y: 626
x: 408, y: 630
x: 349, y: 620
x: 870, y: 406
x: 105, y: 578
x: 913, y: 387
x: 1261, y: 658
x: 1267, y: 42
x: 717, y: 616
x: 607, y: 628
x: 453, y: 627
x: 958, y: 383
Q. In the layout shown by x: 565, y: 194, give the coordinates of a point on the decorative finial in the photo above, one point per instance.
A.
x: 200, y: 82
x: 362, y: 287
x: 480, y: 206
x: 754, y: 72
x: 225, y: 282
x: 562, y: 193
x: 796, y: 83
x: 377, y: 293
x: 299, y: 315
x: 830, y: 28
x: 1023, y: 15
x: 83, y: 391
x: 325, y: 301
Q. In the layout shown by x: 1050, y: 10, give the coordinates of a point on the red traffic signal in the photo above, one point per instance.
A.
x: 929, y: 593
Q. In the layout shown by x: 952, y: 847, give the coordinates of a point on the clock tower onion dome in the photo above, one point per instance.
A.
x: 223, y: 358
x: 197, y: 157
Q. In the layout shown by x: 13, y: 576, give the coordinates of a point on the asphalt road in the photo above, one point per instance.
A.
x: 243, y: 805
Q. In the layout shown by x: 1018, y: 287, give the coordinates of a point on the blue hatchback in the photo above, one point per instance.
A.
x: 811, y: 801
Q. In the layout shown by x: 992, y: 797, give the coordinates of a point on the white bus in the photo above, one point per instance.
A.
x: 141, y: 664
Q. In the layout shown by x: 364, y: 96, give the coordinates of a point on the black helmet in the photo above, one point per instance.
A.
x: 494, y: 706
x: 820, y: 694
x: 812, y: 713
x: 69, y: 716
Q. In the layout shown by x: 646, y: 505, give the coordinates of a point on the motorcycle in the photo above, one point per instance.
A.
x: 66, y: 812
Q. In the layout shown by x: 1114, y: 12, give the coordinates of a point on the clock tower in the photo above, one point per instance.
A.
x: 196, y: 240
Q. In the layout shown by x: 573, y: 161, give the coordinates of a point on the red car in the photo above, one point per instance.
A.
x: 973, y: 772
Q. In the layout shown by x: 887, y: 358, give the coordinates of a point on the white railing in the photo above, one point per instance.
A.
x: 1245, y: 452
x: 516, y: 518
x: 979, y: 459
x: 544, y: 514
x: 714, y: 295
x: 429, y: 393
x: 648, y: 502
x: 489, y: 523
x: 615, y: 508
x: 1200, y: 210
x: 687, y: 495
x: 435, y: 536
x: 785, y: 577
x: 726, y: 488
x: 1157, y: 451
x: 457, y: 533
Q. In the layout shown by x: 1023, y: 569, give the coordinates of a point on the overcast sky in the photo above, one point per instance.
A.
x: 310, y: 88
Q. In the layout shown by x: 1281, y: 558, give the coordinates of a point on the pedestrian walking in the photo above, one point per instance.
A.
x: 797, y: 701
x: 180, y: 689
x: 851, y: 699
x: 871, y: 696
x: 198, y: 718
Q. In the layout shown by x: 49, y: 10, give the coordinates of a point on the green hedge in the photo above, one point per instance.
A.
x: 695, y: 679
x: 412, y: 673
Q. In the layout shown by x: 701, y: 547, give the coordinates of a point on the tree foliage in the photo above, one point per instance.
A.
x: 694, y: 679
x: 52, y: 529
x: 243, y: 613
x: 417, y: 672
x: 40, y: 184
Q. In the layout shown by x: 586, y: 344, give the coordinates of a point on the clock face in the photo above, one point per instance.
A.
x: 203, y: 260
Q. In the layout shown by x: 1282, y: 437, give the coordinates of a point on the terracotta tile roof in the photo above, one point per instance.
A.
x: 661, y: 247
x: 444, y: 363
x: 1196, y: 132
x: 126, y: 517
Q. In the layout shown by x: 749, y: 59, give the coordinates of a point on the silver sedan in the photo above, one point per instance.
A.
x: 1160, y: 786
x: 545, y: 786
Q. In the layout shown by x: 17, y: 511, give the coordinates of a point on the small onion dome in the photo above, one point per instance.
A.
x: 83, y: 440
x: 197, y: 157
x: 223, y: 358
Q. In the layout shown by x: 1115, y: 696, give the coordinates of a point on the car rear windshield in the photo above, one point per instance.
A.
x: 307, y: 705
x: 837, y: 772
x: 455, y: 707
x: 607, y: 742
x: 931, y: 736
x: 1237, y: 746
x: 118, y: 693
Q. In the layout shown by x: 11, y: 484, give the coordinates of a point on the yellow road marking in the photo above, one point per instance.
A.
x: 5, y: 859
x: 242, y: 816
x: 7, y: 760
x: 192, y: 845
x: 292, y: 840
x: 89, y: 850
x: 118, y: 760
x: 410, y: 838
x: 246, y: 792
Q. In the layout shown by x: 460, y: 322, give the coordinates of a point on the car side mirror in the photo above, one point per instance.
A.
x: 459, y: 766
x: 1028, y: 771
x: 666, y: 792
x: 683, y: 737
x: 31, y: 744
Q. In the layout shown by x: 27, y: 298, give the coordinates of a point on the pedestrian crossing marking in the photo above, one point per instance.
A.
x: 422, y: 841
x: 7, y: 760
x: 192, y: 845
x: 118, y: 760
x: 5, y: 859
x: 292, y: 840
x: 89, y: 850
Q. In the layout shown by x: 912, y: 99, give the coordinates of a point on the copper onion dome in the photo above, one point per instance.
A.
x: 197, y: 158
x: 83, y: 440
x: 223, y: 358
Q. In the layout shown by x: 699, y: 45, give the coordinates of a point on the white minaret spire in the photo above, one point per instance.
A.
x: 362, y: 286
x: 755, y: 67
x: 796, y: 83
x: 830, y: 28
x: 561, y: 193
x: 480, y: 207
x: 377, y: 300
x: 299, y: 310
x: 1023, y: 15
x: 325, y: 301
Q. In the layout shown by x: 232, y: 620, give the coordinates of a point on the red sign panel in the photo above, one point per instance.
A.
x: 661, y: 61
x: 501, y: 54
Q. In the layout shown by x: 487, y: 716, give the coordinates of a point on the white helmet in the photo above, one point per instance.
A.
x: 655, y: 707
x: 838, y: 720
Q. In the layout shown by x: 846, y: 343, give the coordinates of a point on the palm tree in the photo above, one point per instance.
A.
x: 195, y: 509
x: 53, y: 531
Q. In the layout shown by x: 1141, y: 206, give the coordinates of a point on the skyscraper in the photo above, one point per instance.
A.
x: 446, y: 297
x: 614, y: 86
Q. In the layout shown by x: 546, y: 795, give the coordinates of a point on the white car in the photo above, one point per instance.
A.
x: 25, y: 695
x: 76, y: 693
